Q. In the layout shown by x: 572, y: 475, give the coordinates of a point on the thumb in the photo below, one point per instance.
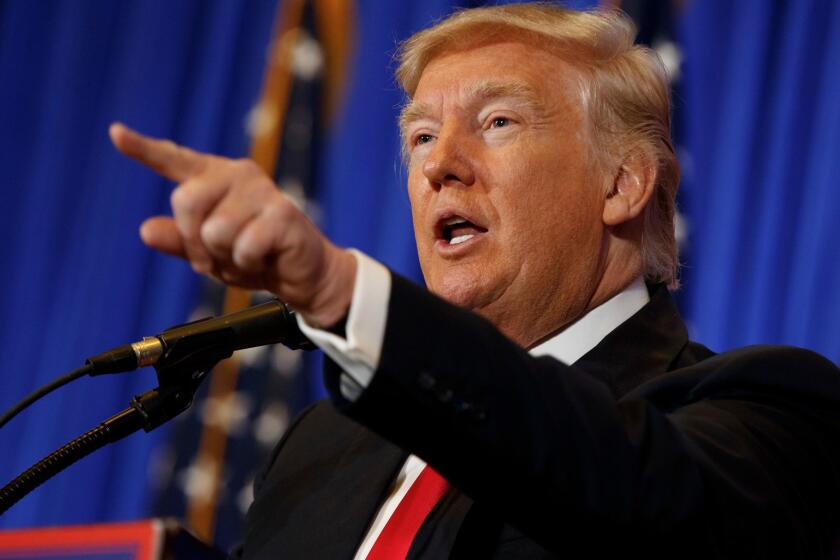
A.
x: 161, y: 233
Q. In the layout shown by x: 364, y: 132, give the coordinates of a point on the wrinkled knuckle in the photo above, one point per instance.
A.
x: 246, y: 256
x: 282, y: 209
x: 183, y: 200
x: 217, y: 232
x: 252, y: 249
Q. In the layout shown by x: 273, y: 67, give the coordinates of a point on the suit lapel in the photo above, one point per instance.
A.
x: 657, y: 327
x: 323, y: 490
x: 362, y: 479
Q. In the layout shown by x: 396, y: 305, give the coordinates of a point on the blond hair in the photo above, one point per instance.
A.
x: 624, y: 92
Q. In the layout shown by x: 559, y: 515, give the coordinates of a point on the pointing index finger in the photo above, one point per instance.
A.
x: 163, y: 156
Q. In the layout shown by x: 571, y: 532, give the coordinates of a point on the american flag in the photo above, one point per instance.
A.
x: 204, y: 473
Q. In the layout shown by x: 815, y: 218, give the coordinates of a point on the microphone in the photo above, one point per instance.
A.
x: 269, y: 323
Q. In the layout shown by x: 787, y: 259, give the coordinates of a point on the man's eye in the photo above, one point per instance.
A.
x: 422, y: 139
x: 499, y: 122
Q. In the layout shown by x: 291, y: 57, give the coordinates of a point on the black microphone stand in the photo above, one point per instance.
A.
x: 180, y: 372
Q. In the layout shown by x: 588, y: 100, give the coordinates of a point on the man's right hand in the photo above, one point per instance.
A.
x: 231, y: 221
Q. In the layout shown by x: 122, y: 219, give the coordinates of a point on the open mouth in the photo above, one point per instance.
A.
x: 456, y: 230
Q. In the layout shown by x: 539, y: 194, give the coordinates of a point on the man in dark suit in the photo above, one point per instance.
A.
x: 557, y: 406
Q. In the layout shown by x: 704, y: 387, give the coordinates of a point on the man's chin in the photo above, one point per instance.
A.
x: 469, y: 293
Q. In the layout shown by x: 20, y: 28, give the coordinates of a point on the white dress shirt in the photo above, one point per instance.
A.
x: 358, y: 354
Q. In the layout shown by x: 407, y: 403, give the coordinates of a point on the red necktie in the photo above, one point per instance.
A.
x: 399, y: 532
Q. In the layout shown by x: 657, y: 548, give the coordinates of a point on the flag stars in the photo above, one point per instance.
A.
x: 252, y: 357
x: 271, y: 424
x: 229, y: 414
x: 671, y: 56
x: 285, y: 362
x: 199, y: 479
x: 261, y: 120
x: 307, y: 57
x: 293, y: 189
x: 246, y: 496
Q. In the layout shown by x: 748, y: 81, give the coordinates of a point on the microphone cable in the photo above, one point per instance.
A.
x: 268, y: 323
x: 42, y: 392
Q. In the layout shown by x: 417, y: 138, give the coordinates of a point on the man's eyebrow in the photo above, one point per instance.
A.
x: 413, y: 111
x: 480, y: 92
x: 488, y: 90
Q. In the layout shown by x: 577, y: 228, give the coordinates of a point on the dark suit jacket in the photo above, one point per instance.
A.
x: 650, y: 444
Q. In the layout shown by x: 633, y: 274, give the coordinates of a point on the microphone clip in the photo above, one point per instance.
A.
x: 191, y: 358
x: 180, y: 370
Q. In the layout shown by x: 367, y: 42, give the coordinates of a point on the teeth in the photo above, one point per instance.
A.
x: 454, y: 220
x: 461, y: 239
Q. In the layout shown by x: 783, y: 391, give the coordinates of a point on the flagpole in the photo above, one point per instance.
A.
x: 266, y: 125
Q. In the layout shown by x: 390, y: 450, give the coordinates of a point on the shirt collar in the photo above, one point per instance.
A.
x: 570, y: 344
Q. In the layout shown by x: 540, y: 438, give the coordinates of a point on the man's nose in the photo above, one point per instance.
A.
x: 449, y: 163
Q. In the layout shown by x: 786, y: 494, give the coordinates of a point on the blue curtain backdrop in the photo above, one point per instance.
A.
x: 761, y: 140
x: 76, y: 280
x: 762, y: 134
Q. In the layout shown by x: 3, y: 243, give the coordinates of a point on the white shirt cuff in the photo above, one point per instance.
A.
x: 358, y: 353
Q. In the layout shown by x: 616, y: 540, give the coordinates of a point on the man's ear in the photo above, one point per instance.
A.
x: 632, y: 188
